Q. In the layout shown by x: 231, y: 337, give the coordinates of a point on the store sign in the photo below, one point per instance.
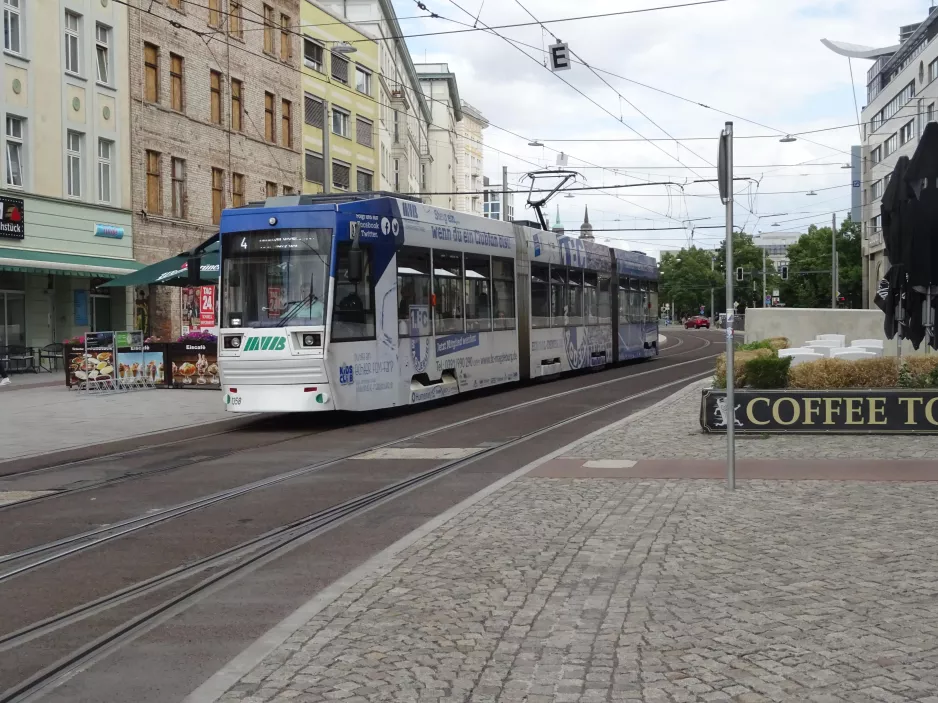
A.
x: 12, y: 218
x: 886, y: 411
x: 109, y: 231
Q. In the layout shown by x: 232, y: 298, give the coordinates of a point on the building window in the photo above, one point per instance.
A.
x: 235, y: 22
x: 364, y: 180
x: 236, y: 105
x: 930, y: 113
x: 286, y: 123
x: 876, y: 223
x: 215, y: 88
x: 176, y: 68
x: 271, y: 189
x: 340, y: 68
x: 362, y: 80
x: 218, y: 194
x: 288, y: 190
x: 12, y: 27
x: 364, y: 132
x: 933, y: 70
x: 341, y: 175
x: 102, y: 54
x: 313, y: 111
x: 73, y: 159
x: 268, y: 29
x: 179, y: 189
x: 315, y: 168
x: 214, y: 13
x: 237, y: 189
x: 340, y: 122
x: 154, y: 183
x: 105, y: 151
x: 15, y: 139
x: 312, y: 55
x: 151, y: 69
x: 72, y: 43
x: 286, y: 45
x: 891, y: 145
x: 876, y: 155
x: 907, y: 132
x: 397, y: 175
x: 270, y: 128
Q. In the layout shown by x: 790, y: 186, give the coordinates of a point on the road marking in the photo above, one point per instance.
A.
x: 420, y: 453
x: 8, y: 497
x: 609, y: 464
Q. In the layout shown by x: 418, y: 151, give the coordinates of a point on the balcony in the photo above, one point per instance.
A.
x: 875, y: 241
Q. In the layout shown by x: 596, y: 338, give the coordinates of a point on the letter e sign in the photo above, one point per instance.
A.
x: 559, y: 57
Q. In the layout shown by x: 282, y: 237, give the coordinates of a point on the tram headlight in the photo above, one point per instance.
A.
x: 312, y: 339
x: 233, y: 341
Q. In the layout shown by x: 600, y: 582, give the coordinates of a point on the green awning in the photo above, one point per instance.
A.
x: 173, y: 272
x: 70, y: 264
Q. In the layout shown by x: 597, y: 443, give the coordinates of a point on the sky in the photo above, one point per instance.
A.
x: 761, y: 60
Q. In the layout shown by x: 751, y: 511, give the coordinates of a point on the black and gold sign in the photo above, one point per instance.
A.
x: 892, y: 411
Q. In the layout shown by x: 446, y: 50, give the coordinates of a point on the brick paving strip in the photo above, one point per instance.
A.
x: 620, y: 587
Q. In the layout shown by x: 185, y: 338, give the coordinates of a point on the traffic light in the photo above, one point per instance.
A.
x: 784, y: 273
x: 739, y: 273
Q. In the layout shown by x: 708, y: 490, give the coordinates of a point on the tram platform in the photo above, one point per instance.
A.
x: 620, y: 568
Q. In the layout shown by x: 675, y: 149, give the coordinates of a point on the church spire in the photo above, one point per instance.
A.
x: 586, y: 229
x: 558, y: 227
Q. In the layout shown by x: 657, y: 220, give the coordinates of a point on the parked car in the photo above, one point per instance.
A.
x: 696, y: 322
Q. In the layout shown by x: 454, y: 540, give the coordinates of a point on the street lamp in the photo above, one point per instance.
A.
x: 535, y: 142
x: 788, y: 139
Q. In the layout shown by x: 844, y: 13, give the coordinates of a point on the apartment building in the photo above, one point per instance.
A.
x: 217, y: 122
x: 442, y: 92
x: 65, y: 199
x: 470, y: 160
x: 340, y: 68
x: 902, y: 93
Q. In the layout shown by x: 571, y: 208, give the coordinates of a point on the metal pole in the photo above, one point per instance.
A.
x: 713, y: 315
x: 763, y: 276
x: 834, y: 261
x: 326, y: 155
x: 505, y: 193
x: 730, y: 396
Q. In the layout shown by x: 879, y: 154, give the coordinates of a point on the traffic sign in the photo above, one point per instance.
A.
x: 559, y: 57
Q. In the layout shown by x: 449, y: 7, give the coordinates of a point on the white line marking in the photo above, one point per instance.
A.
x: 419, y: 453
x: 8, y: 497
x: 609, y: 464
x: 229, y: 675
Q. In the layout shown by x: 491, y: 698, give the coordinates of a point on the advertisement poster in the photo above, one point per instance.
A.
x: 198, y: 308
x: 190, y: 308
x: 207, y: 307
x: 140, y: 365
x: 274, y: 301
x: 195, y: 365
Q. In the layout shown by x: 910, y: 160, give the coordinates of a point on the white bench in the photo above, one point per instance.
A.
x: 852, y: 354
x: 841, y: 338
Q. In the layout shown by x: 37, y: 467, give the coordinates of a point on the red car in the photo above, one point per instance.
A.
x: 696, y: 322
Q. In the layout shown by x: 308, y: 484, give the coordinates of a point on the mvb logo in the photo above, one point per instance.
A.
x: 265, y: 344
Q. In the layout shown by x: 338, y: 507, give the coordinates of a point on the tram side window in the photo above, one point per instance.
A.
x: 540, y: 296
x: 652, y: 312
x: 558, y: 296
x: 635, y: 301
x: 590, y: 298
x: 625, y: 316
x: 353, y: 312
x: 605, y: 300
x: 447, y: 287
x: 503, y: 288
x: 413, y: 290
x: 644, y: 299
x: 478, y: 293
x: 574, y: 297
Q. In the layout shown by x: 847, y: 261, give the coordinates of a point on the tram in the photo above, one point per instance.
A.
x: 367, y: 301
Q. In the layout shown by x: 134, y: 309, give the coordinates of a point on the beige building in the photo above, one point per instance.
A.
x: 216, y: 123
x: 469, y: 160
x: 65, y: 197
x: 440, y: 88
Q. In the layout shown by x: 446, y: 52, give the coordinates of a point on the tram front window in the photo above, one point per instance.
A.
x: 275, y: 279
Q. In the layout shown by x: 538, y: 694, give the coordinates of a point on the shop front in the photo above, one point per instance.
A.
x: 54, y: 258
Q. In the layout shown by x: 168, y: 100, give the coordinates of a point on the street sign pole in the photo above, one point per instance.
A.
x: 725, y: 178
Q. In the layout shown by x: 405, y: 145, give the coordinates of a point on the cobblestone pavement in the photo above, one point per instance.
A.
x: 673, y: 432
x: 555, y: 590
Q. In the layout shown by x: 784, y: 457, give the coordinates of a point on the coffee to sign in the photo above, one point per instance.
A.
x: 846, y: 411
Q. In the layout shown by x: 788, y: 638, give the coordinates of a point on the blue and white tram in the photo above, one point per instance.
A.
x: 371, y: 301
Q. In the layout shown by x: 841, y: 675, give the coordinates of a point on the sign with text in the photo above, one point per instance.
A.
x: 12, y: 218
x: 559, y: 57
x: 207, y: 307
x: 851, y: 411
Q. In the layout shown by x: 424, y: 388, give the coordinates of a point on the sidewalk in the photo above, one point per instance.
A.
x: 586, y: 578
x: 42, y: 419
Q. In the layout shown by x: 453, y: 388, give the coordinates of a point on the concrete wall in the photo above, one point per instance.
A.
x: 800, y: 325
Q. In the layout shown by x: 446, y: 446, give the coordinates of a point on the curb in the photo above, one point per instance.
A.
x: 229, y: 675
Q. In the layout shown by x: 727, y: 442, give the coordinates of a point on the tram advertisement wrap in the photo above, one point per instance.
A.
x: 886, y: 411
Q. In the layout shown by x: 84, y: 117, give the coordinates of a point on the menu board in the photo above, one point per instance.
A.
x: 195, y: 365
x: 142, y: 364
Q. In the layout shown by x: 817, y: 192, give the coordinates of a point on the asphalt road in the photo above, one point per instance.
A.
x: 178, y: 650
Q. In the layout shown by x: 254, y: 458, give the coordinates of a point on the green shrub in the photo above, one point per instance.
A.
x: 919, y: 372
x: 767, y: 372
x: 773, y: 343
x: 740, y: 360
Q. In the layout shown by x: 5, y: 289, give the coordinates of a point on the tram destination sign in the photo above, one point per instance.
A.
x: 853, y: 411
x: 12, y: 218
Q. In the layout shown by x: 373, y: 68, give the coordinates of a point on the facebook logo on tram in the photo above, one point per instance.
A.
x: 346, y: 375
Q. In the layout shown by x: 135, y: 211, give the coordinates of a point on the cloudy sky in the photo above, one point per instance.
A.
x: 761, y: 60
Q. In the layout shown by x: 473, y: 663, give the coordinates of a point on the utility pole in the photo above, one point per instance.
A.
x: 763, y: 277
x: 505, y: 193
x: 726, y: 191
x: 326, y: 156
x: 834, y: 261
x: 713, y: 314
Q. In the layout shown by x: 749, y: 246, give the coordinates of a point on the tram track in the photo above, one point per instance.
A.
x: 257, y: 551
x: 68, y: 546
x: 187, y: 462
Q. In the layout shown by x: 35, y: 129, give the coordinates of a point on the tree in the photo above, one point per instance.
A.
x: 686, y: 280
x: 749, y: 257
x: 809, y: 278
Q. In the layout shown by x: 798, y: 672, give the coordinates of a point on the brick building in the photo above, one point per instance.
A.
x: 216, y: 118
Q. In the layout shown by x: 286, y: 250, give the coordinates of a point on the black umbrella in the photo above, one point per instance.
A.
x: 919, y: 234
x: 898, y: 199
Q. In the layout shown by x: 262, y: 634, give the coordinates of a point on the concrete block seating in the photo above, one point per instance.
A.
x: 851, y: 354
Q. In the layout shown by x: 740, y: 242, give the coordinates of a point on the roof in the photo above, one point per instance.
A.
x: 73, y: 264
x: 388, y: 9
x: 474, y: 113
x: 431, y: 72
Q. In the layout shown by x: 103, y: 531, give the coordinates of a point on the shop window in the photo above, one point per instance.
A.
x: 503, y: 293
x: 448, y: 289
x: 353, y: 314
x: 413, y: 289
